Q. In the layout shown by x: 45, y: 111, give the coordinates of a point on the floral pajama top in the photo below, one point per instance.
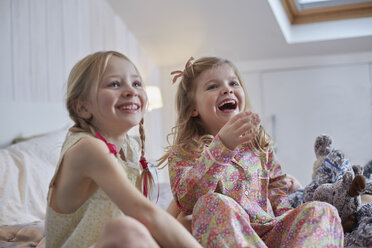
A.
x: 239, y: 174
x: 256, y: 185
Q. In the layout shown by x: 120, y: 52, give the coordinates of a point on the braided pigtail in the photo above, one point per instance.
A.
x: 145, y: 181
x: 83, y: 126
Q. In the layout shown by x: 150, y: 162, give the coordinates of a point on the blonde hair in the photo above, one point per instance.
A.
x: 88, y: 73
x: 188, y: 128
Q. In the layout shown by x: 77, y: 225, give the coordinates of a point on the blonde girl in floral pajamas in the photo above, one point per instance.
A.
x: 223, y: 170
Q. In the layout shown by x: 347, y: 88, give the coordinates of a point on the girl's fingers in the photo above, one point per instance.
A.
x: 256, y: 120
x: 244, y: 129
x: 240, y: 129
x: 243, y: 119
x: 238, y: 117
x: 248, y: 130
x: 248, y: 137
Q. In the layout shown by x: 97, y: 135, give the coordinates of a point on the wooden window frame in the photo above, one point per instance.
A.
x: 347, y: 11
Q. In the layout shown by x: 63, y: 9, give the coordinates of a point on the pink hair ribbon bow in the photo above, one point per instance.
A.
x: 179, y: 73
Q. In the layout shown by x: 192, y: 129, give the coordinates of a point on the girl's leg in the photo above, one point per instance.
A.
x: 219, y: 221
x: 125, y: 232
x: 312, y: 224
x: 185, y: 220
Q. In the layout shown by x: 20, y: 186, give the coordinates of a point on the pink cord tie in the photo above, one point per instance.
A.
x: 177, y: 74
x: 110, y: 146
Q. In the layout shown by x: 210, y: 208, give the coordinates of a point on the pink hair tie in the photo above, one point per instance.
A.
x: 144, y: 167
x: 179, y: 73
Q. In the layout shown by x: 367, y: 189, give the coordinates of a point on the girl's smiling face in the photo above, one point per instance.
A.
x: 120, y: 101
x: 218, y: 97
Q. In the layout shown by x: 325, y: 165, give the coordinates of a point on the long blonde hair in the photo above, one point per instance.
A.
x: 88, y: 73
x: 189, y: 135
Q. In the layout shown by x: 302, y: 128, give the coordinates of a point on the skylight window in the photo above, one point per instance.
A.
x: 314, y: 4
x: 319, y: 20
x: 309, y: 11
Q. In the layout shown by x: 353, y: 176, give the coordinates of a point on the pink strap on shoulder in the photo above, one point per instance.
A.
x: 110, y: 146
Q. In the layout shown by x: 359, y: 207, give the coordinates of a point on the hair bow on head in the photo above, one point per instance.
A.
x: 179, y: 73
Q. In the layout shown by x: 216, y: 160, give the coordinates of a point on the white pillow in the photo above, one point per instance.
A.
x: 26, y: 169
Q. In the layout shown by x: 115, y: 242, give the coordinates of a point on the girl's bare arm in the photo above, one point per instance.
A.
x: 104, y: 169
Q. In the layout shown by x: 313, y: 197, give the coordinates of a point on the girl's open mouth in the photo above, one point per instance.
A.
x: 228, y: 105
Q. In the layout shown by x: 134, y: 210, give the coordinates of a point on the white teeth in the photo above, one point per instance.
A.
x: 129, y: 107
x: 226, y: 102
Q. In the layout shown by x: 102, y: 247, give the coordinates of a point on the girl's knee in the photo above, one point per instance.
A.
x: 124, y: 224
x: 124, y: 230
x: 320, y: 208
x: 213, y: 198
x: 215, y: 203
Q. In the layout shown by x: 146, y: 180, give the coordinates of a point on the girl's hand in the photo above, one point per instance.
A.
x: 240, y: 129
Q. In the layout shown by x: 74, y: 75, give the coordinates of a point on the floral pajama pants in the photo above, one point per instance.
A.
x: 219, y: 221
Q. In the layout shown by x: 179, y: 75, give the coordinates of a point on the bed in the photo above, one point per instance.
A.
x: 26, y: 169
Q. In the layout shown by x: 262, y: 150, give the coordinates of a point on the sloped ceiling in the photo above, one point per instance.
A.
x: 240, y: 30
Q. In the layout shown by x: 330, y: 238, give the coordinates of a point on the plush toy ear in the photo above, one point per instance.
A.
x: 358, y: 169
x: 82, y: 110
x: 367, y: 170
x: 357, y: 185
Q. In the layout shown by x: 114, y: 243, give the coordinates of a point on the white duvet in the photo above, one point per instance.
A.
x: 26, y: 169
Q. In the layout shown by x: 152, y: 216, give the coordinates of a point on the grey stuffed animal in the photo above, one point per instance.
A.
x: 329, y: 167
x: 336, y: 181
x: 344, y: 194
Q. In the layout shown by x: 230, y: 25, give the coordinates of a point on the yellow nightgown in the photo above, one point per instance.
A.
x: 82, y: 228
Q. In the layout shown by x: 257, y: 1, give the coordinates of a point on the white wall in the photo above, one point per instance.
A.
x: 307, y: 96
x: 334, y: 100
x: 302, y: 98
x: 41, y: 41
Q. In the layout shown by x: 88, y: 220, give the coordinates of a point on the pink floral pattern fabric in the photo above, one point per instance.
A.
x: 238, y: 201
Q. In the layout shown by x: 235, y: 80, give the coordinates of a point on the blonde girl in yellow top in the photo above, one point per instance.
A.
x: 92, y: 199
